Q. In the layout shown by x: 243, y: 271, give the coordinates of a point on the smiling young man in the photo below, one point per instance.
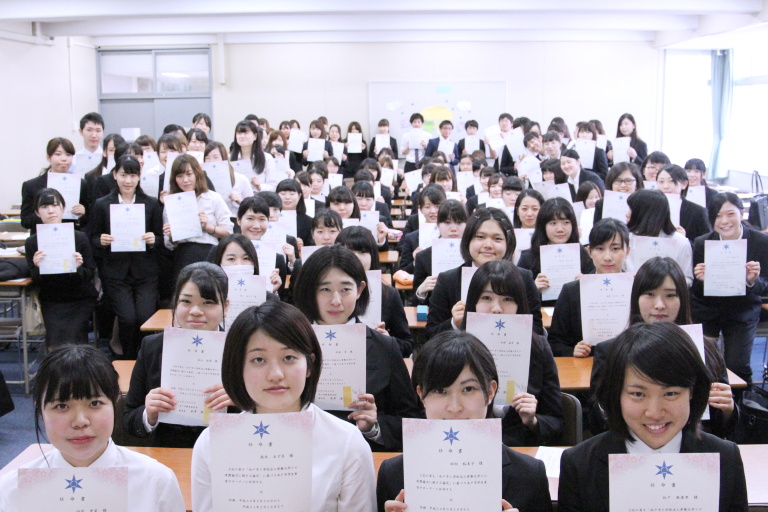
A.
x: 92, y: 131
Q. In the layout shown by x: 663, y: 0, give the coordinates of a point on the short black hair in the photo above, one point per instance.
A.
x: 717, y: 202
x: 360, y: 239
x: 471, y: 123
x: 245, y: 244
x: 327, y: 218
x: 618, y: 169
x: 172, y: 128
x: 129, y: 164
x: 93, y: 117
x: 476, y: 220
x: 505, y: 279
x: 433, y: 192
x: 512, y: 183
x: 416, y: 116
x: 254, y: 204
x: 209, y: 278
x: 48, y: 197
x: 650, y: 213
x: 650, y: 276
x: 452, y: 210
x: 446, y: 123
x: 605, y: 230
x: 342, y: 195
x: 271, y: 198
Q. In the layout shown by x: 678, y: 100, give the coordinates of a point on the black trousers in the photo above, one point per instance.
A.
x: 133, y: 301
x: 186, y: 253
x: 66, y: 322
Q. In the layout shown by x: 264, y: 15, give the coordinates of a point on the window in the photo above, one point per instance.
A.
x: 155, y: 73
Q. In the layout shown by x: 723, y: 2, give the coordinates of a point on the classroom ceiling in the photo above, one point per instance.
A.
x: 662, y: 23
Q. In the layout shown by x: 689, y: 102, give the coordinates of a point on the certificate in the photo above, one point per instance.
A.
x: 561, y: 263
x: 127, y: 224
x: 354, y: 143
x: 315, y: 148
x: 387, y: 177
x: 289, y: 223
x: 697, y: 195
x: 675, y: 203
x: 494, y: 202
x: 523, y: 237
x: 218, y: 173
x: 601, y: 142
x: 413, y: 180
x: 86, y: 162
x: 647, y: 247
x: 696, y: 332
x: 370, y: 221
x: 191, y: 363
x: 72, y: 489
x: 514, y: 141
x: 531, y: 168
x: 57, y: 241
x: 345, y: 223
x: 446, y: 146
x: 172, y: 155
x: 452, y: 464
x: 68, y: 186
x: 296, y: 141
x: 586, y: 221
x: 183, y: 217
x: 276, y: 233
x: 549, y: 190
x: 150, y: 183
x: 726, y: 271
x: 310, y: 205
x: 245, y: 290
x: 382, y: 141
x: 605, y: 300
x: 615, y: 205
x: 471, y: 144
x: 372, y: 316
x: 620, y: 149
x: 416, y: 140
x: 343, y: 376
x: 586, y: 150
x: 244, y: 167
x: 446, y: 254
x: 466, y: 278
x: 151, y: 162
x: 464, y: 180
x: 261, y: 461
x: 267, y: 253
x: 308, y: 250
x: 508, y: 337
x: 427, y: 233
x: 650, y: 185
x: 197, y: 155
x: 338, y: 151
x: 664, y: 481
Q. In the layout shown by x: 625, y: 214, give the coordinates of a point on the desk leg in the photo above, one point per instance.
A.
x: 24, y: 342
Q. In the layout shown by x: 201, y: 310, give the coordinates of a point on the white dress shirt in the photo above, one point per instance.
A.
x: 218, y: 215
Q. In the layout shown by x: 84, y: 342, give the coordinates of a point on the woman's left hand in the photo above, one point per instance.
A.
x: 541, y: 282
x: 680, y: 229
x: 203, y: 219
x: 382, y: 231
x: 78, y: 259
x: 274, y: 278
x: 148, y: 238
x: 365, y: 414
x: 78, y: 210
x: 632, y: 153
x: 382, y: 328
x: 256, y: 183
x: 753, y: 272
x: 234, y: 196
x: 217, y: 398
x: 721, y: 397
x: 525, y: 405
x: 290, y: 254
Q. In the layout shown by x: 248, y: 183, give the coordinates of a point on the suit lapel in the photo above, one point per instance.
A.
x: 613, y: 444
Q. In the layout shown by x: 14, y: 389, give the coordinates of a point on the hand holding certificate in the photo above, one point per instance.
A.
x: 343, y: 376
x: 126, y: 224
x: 57, y: 243
x: 725, y: 274
x: 183, y: 216
x: 561, y: 263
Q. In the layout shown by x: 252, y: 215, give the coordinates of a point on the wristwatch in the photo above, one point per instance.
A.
x: 371, y: 434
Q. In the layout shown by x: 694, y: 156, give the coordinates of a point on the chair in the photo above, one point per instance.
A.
x: 572, y: 421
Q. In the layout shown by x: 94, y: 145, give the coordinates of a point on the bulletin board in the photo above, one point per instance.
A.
x: 436, y: 101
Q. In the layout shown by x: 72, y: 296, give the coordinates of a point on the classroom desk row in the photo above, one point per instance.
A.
x: 754, y: 456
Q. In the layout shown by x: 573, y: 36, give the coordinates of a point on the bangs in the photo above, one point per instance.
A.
x: 70, y: 385
x: 443, y: 368
x: 75, y: 372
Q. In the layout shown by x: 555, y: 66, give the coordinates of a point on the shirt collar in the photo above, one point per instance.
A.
x: 637, y: 447
x: 120, y: 199
x: 575, y: 179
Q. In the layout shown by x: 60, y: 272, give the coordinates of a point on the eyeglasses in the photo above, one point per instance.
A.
x: 627, y: 181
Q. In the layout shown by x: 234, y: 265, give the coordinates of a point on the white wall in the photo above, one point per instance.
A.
x: 39, y: 104
x: 577, y: 81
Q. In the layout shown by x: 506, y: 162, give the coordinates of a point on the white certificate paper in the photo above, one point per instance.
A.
x: 561, y: 263
x: 172, y: 155
x: 150, y: 182
x: 647, y: 247
x: 605, y: 302
x: 218, y: 172
x: 372, y: 316
x: 244, y: 167
x: 428, y: 232
x: 446, y: 254
x: 452, y: 464
x: 127, y: 224
x: 354, y: 143
x: 412, y: 180
x: 338, y: 150
x: 602, y: 141
x: 335, y: 180
x: 726, y: 271
x: 382, y: 141
x: 288, y: 220
x: 531, y: 168
x: 266, y: 252
x: 276, y: 233
x: 523, y: 237
x: 370, y: 221
x: 191, y: 363
x: 387, y: 177
x: 508, y: 337
x: 466, y: 278
x: 261, y: 459
x: 68, y: 186
x: 151, y: 162
x: 85, y: 162
x: 343, y: 376
x: 308, y: 250
x: 73, y: 489
x: 183, y: 217
x: 315, y: 148
x: 675, y: 203
x: 464, y: 180
x: 296, y: 140
x: 697, y: 195
x: 615, y: 205
x: 57, y: 241
x: 245, y: 290
x: 664, y: 481
x: 471, y: 144
x: 446, y: 146
x: 620, y: 148
x: 586, y: 150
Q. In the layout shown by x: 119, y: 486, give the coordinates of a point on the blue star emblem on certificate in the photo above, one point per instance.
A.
x: 178, y: 198
x: 499, y: 325
x: 261, y: 429
x: 197, y: 341
x: 258, y: 247
x: 726, y: 247
x: 330, y: 335
x: 451, y: 435
x: 55, y: 229
x: 73, y: 484
x: 655, y: 243
x: 559, y: 250
x: 241, y: 282
x: 451, y: 245
x: 127, y: 209
x: 664, y: 470
x: 606, y: 281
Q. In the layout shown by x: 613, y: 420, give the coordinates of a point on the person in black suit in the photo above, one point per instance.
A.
x: 317, y: 131
x: 735, y: 316
x: 130, y: 278
x: 67, y: 300
x: 393, y: 320
x: 441, y: 368
x: 697, y: 172
x: 106, y: 184
x: 197, y: 286
x: 585, y: 130
x: 571, y: 166
x: 342, y: 297
x: 672, y: 179
x: 608, y: 247
x: 60, y: 152
x: 638, y: 149
x: 353, y: 161
x: 623, y: 177
x: 430, y: 199
x: 555, y: 224
x: 446, y: 128
x: 451, y: 221
x: 471, y: 128
x: 291, y: 247
x: 290, y: 195
x: 535, y: 417
x: 366, y: 176
x: 654, y: 376
x: 489, y: 236
x: 373, y: 151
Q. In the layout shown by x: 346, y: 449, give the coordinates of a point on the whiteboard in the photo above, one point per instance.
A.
x: 436, y: 101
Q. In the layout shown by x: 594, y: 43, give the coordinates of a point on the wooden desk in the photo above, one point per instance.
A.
x: 399, y: 224
x: 157, y: 322
x: 546, y: 317
x: 12, y: 212
x: 388, y: 257
x: 13, y: 236
x: 124, y: 370
x: 410, y: 314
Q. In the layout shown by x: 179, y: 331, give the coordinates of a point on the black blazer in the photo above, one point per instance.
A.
x: 118, y: 265
x: 534, y: 265
x: 641, y: 148
x: 524, y: 481
x: 447, y: 293
x: 412, y: 224
x: 566, y: 331
x: 351, y: 165
x: 505, y: 164
x: 434, y: 144
x: 584, y: 472
x: 387, y: 379
x: 422, y: 268
x: 146, y: 377
x: 585, y: 175
x: 70, y: 287
x: 393, y: 315
x: 328, y: 147
x: 744, y: 308
x: 29, y: 188
x: 373, y: 152
x: 408, y: 243
x: 694, y: 219
x: 304, y: 228
x: 103, y: 186
x: 472, y: 203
